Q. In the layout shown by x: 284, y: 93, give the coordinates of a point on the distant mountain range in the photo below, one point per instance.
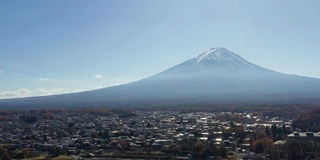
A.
x: 215, y: 76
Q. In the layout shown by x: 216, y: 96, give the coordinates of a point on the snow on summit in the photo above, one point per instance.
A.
x: 222, y: 57
x: 213, y: 61
x: 212, y: 53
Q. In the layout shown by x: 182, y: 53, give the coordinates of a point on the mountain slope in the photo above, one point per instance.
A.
x: 215, y: 75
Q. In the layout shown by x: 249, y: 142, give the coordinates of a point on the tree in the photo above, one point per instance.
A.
x: 222, y: 151
x: 48, y: 115
x: 4, y: 154
x: 294, y: 150
x: 55, y: 152
x: 29, y: 118
x: 274, y: 130
x: 26, y: 153
x: 259, y: 147
x: 268, y: 132
x: 197, y: 148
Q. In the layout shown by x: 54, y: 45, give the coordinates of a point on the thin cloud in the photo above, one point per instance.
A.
x: 98, y: 87
x: 98, y: 76
x: 7, y: 94
x: 1, y: 72
x: 23, y: 92
x: 42, y: 92
x: 16, y: 94
x: 116, y: 84
x: 48, y: 80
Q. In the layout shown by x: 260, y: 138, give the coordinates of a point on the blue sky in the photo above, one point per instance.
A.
x: 53, y: 47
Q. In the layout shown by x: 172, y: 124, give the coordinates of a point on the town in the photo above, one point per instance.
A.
x: 138, y: 134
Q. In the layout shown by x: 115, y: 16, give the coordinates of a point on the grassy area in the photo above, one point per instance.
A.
x: 37, y: 158
x: 56, y: 158
x: 63, y: 158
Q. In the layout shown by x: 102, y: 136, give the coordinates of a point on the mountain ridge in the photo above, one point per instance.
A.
x: 220, y: 55
x: 210, y: 76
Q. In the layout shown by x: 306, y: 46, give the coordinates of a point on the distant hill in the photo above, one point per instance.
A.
x: 213, y: 77
x: 308, y: 121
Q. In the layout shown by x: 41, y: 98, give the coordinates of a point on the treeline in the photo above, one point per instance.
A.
x: 288, y: 111
x: 293, y: 150
x: 308, y: 121
x: 32, y: 116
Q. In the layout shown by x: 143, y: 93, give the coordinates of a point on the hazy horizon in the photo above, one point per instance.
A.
x: 54, y: 47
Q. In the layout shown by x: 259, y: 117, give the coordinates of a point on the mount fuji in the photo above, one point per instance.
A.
x: 217, y: 75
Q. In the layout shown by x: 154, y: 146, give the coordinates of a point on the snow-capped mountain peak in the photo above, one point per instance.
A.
x: 221, y: 57
x: 207, y: 55
x: 218, y: 53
